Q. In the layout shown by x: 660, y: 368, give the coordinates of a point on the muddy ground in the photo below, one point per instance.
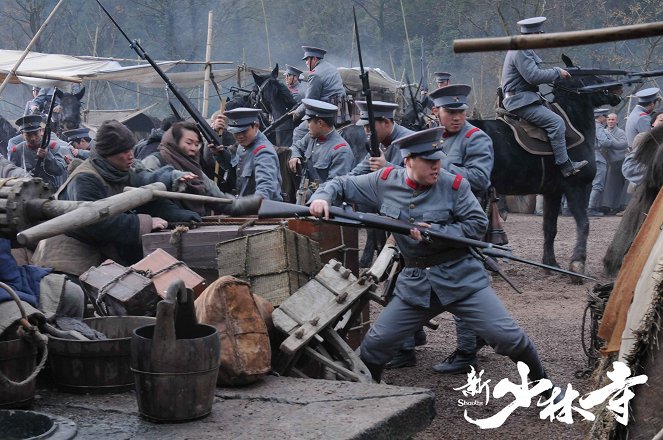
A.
x: 550, y: 310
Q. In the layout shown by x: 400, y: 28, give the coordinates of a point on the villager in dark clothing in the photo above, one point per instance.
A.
x: 108, y: 170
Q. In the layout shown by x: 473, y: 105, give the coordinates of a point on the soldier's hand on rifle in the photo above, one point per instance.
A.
x: 416, y: 233
x: 158, y: 223
x: 57, y: 109
x: 319, y: 208
x: 216, y: 149
x: 564, y: 74
x: 41, y: 152
x: 293, y: 164
x: 377, y: 163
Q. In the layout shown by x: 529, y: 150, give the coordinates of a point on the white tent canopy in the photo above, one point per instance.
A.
x: 47, y: 70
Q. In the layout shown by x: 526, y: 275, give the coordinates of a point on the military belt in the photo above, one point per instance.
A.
x: 435, y: 259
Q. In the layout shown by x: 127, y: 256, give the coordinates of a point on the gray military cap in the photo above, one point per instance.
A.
x: 453, y: 97
x: 291, y: 70
x: 381, y: 109
x: 426, y: 144
x: 645, y: 96
x: 240, y: 119
x: 77, y: 133
x: 318, y: 109
x: 29, y: 123
x: 532, y: 25
x: 601, y: 112
x: 310, y: 51
x: 442, y: 76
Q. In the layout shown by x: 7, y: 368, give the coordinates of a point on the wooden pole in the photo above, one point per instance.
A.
x: 208, y: 67
x: 32, y: 42
x: 407, y: 39
x: 264, y: 17
x: 559, y: 39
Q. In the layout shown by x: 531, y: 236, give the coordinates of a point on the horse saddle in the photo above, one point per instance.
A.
x: 533, y: 139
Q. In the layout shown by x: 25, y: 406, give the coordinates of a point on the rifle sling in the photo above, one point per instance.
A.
x: 435, y: 259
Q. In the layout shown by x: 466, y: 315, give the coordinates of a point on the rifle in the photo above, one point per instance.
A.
x: 345, y: 216
x: 285, y: 117
x: 373, y: 148
x: 205, y: 129
x: 415, y: 105
x: 303, y: 187
x: 46, y: 137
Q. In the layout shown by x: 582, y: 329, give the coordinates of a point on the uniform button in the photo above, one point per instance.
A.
x: 411, y: 219
x: 411, y: 205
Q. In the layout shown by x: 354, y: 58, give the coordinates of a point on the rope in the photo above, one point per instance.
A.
x: 176, y: 239
x: 30, y: 334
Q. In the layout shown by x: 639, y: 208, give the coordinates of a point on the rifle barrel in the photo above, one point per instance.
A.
x: 374, y: 148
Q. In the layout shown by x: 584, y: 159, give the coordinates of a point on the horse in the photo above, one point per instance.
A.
x: 70, y: 114
x: 7, y: 131
x: 273, y: 97
x: 517, y: 172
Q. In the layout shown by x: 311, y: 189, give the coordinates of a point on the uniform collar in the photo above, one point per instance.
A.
x: 415, y: 186
x: 447, y: 134
x: 325, y: 137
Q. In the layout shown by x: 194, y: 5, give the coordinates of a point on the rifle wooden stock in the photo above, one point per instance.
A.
x: 272, y: 209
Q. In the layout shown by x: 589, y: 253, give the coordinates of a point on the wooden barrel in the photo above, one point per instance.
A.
x: 100, y: 366
x: 18, y: 359
x: 175, y: 362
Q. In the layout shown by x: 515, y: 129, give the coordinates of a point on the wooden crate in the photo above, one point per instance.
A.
x: 126, y: 292
x: 340, y: 243
x: 197, y: 247
x: 276, y: 262
x: 162, y: 268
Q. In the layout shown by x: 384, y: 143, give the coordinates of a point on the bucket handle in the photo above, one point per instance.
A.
x: 175, y: 315
x: 30, y: 333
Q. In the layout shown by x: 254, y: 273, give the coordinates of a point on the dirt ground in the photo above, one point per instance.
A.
x: 550, y: 310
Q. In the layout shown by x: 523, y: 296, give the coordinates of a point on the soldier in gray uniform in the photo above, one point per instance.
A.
x: 639, y: 121
x: 442, y: 79
x: 256, y: 159
x: 78, y: 146
x: 521, y: 76
x: 387, y: 130
x: 296, y: 87
x: 47, y: 163
x: 323, y: 151
x: 436, y: 278
x: 40, y: 103
x: 614, y: 195
x: 469, y: 153
x: 605, y: 142
x: 324, y: 84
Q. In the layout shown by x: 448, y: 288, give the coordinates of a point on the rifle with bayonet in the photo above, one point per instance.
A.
x: 345, y: 216
x: 208, y: 133
x: 373, y: 147
x: 285, y: 117
x: 46, y: 137
x: 415, y: 105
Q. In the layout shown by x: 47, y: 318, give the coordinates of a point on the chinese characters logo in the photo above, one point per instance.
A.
x: 557, y: 404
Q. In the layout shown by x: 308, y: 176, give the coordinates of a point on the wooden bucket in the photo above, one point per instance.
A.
x: 175, y: 362
x: 100, y: 366
x: 18, y: 359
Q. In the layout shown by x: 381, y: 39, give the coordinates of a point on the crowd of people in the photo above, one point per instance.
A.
x: 434, y: 178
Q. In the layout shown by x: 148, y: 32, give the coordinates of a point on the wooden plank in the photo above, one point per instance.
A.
x: 616, y: 310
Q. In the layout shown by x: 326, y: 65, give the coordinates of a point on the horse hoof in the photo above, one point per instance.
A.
x: 577, y: 267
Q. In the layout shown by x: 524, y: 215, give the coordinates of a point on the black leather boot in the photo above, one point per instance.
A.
x: 536, y: 371
x: 404, y: 358
x: 376, y: 371
x: 457, y: 362
x: 570, y: 168
x: 420, y: 338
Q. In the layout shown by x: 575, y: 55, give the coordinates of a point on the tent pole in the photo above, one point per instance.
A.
x: 27, y: 49
x: 208, y: 67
